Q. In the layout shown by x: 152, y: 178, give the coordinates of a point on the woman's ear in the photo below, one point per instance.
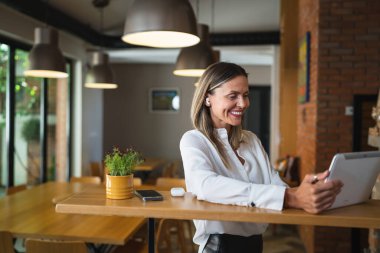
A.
x: 207, y: 102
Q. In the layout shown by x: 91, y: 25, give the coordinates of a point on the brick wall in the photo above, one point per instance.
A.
x: 345, y: 60
x: 306, y: 113
x: 306, y: 118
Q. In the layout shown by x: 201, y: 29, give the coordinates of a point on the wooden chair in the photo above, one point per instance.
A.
x: 172, y: 169
x: 86, y: 180
x: 290, y: 171
x: 14, y: 189
x: 137, y: 181
x: 168, y: 227
x: 96, y: 169
x: 39, y: 246
x: 6, y: 242
x: 166, y: 183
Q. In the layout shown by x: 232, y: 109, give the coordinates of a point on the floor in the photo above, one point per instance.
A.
x: 284, y: 240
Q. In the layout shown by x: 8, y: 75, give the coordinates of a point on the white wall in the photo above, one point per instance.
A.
x: 275, y: 106
x: 127, y: 120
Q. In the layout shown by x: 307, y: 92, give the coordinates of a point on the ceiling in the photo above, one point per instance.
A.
x: 230, y: 16
x: 230, y: 22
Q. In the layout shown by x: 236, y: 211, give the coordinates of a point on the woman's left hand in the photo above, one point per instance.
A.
x: 313, y: 195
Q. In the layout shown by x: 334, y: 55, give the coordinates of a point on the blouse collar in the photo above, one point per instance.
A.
x: 222, y: 133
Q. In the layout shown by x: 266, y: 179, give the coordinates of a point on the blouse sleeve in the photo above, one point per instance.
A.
x: 203, y: 180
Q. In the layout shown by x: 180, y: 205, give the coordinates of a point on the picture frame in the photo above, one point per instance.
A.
x: 164, y: 100
x: 304, y: 69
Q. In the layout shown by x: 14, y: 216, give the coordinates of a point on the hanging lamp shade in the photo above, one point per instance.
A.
x: 100, y: 74
x: 193, y: 61
x: 216, y: 56
x: 45, y: 58
x: 161, y: 23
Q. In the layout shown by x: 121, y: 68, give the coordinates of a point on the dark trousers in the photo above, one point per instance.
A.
x: 225, y: 243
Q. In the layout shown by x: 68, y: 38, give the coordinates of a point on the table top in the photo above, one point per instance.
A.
x: 93, y: 201
x: 31, y: 214
x: 150, y: 164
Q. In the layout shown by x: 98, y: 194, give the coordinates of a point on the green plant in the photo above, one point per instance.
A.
x: 31, y: 130
x: 122, y: 163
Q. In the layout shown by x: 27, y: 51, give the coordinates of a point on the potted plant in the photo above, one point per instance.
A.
x: 119, y: 172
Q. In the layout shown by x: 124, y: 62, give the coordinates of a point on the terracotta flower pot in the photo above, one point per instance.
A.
x: 119, y: 187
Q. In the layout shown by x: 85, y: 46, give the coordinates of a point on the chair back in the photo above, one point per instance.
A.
x: 137, y: 181
x: 167, y: 183
x: 14, y: 189
x: 86, y: 180
x: 6, y: 242
x: 38, y: 246
x: 96, y: 169
x: 172, y: 169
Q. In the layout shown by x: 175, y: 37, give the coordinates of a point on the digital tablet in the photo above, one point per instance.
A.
x: 358, y: 171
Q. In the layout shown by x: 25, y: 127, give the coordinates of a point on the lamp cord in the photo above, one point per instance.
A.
x: 197, y: 10
x: 46, y: 13
x: 212, y: 15
x: 101, y: 20
x: 101, y: 28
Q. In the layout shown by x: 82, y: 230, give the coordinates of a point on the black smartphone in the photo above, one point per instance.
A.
x: 148, y: 195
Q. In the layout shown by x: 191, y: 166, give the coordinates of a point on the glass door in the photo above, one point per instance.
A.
x: 27, y: 150
x: 35, y: 120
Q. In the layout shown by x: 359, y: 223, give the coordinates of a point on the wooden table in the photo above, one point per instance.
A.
x: 150, y: 164
x: 93, y: 201
x: 31, y: 214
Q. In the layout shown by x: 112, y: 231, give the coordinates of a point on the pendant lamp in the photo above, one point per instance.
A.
x: 193, y: 61
x: 45, y: 58
x: 161, y: 24
x: 216, y: 56
x: 100, y: 74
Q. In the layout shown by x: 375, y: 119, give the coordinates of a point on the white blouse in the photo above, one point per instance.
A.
x: 255, y: 183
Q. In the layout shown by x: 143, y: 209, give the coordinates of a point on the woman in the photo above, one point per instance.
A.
x: 227, y: 165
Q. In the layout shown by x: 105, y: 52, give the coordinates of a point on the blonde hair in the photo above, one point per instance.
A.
x: 215, y: 75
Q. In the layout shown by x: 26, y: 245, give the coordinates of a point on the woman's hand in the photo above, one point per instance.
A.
x: 313, y: 195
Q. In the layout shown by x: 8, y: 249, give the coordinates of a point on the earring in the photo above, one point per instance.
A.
x: 207, y: 102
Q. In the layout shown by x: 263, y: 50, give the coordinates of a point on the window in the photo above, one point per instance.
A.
x: 4, y: 53
x: 27, y: 124
x: 27, y: 155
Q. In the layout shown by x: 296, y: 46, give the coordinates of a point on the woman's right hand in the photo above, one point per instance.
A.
x: 314, y: 194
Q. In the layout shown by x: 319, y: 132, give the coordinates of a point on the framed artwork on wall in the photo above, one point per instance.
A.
x: 164, y: 100
x: 304, y: 69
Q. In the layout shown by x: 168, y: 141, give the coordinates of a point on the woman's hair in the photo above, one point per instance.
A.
x: 214, y: 76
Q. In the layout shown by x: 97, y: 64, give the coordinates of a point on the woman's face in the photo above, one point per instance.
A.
x: 228, y: 103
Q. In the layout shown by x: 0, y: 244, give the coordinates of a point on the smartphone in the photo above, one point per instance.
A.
x: 148, y: 195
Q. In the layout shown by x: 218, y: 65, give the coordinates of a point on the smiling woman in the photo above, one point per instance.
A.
x: 228, y: 165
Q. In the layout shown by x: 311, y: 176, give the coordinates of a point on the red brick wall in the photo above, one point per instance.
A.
x: 306, y: 118
x: 349, y: 63
x: 306, y: 113
x: 345, y: 60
